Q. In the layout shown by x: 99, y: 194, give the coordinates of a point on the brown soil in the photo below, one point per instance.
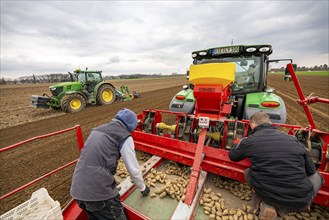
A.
x: 19, y: 122
x: 14, y: 99
x: 316, y: 85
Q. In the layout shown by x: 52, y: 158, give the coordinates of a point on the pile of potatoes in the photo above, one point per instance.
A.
x: 172, y: 168
x: 155, y: 176
x: 215, y: 207
x: 317, y: 212
x: 121, y: 169
x: 173, y: 188
x: 238, y: 189
x: 142, y: 156
x: 244, y: 192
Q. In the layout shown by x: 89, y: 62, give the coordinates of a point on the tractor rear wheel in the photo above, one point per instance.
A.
x: 105, y: 95
x: 73, y: 103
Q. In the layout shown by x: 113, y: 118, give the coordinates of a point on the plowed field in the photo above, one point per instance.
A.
x: 19, y: 122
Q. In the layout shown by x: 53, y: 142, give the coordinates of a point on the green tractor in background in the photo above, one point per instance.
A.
x: 86, y: 87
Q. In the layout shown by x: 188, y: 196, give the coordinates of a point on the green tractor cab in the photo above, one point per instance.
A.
x: 249, y: 91
x: 86, y: 87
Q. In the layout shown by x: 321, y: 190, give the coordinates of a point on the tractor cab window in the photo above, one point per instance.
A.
x: 81, y: 78
x: 247, y: 72
x: 93, y: 77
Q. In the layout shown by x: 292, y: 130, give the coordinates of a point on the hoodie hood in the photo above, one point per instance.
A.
x: 128, y: 117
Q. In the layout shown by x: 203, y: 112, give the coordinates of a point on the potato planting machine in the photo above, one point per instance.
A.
x: 202, y: 140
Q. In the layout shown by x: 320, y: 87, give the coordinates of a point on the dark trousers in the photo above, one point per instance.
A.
x: 316, y: 179
x: 111, y: 209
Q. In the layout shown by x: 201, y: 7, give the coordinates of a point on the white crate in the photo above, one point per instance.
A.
x: 39, y: 206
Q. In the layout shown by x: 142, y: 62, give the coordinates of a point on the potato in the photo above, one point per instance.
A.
x: 162, y: 195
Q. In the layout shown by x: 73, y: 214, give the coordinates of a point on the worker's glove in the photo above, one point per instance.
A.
x: 146, y: 191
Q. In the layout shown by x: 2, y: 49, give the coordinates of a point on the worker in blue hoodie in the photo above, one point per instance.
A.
x: 93, y: 184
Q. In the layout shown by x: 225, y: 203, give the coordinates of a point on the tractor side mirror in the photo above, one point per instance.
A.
x: 287, y: 76
x: 188, y: 75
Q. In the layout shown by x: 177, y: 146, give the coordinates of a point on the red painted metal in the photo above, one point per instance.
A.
x: 217, y: 159
x: 80, y: 142
x: 317, y: 99
x: 211, y: 101
x: 73, y: 212
x: 191, y: 188
x: 134, y: 214
x: 37, y: 180
x: 301, y: 96
x: 79, y: 138
x: 78, y: 133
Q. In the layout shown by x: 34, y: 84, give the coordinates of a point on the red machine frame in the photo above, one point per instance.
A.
x: 216, y: 160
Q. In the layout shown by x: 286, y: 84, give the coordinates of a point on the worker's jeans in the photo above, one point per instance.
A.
x: 104, y: 210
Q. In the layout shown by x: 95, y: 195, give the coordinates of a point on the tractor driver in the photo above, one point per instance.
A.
x: 282, y: 174
x: 93, y: 184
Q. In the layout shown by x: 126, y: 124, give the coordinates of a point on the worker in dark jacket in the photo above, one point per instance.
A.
x: 282, y: 174
x: 93, y: 183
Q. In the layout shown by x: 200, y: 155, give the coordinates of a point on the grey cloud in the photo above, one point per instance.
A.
x: 114, y: 59
x: 162, y: 34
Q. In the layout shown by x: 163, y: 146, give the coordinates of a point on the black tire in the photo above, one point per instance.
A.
x: 73, y: 103
x: 105, y: 95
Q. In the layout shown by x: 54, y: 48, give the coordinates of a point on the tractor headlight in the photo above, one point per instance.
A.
x: 264, y: 49
x: 202, y: 53
x: 251, y: 49
x: 52, y: 89
x: 194, y: 55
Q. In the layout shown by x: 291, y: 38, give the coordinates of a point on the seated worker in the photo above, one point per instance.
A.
x: 282, y: 174
x: 93, y: 185
x: 250, y: 79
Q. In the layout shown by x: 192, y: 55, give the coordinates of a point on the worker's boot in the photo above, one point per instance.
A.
x: 267, y: 212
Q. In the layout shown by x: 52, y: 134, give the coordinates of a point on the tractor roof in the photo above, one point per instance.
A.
x: 87, y: 71
x: 234, y: 50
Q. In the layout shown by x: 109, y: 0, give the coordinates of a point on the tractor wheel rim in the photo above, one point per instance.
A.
x: 75, y: 104
x: 107, y: 95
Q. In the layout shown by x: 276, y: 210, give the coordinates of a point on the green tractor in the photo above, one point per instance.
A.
x: 86, y: 87
x: 249, y: 92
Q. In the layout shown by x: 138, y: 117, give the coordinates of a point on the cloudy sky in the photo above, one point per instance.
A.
x: 124, y: 37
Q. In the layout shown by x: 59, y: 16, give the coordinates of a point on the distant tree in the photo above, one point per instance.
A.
x: 325, y: 66
x: 34, y: 80
x: 3, y: 81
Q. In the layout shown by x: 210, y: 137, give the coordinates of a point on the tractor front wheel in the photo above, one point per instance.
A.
x: 73, y: 103
x: 105, y: 95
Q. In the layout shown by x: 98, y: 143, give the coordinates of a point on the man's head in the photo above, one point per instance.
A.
x: 128, y: 117
x: 259, y: 118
